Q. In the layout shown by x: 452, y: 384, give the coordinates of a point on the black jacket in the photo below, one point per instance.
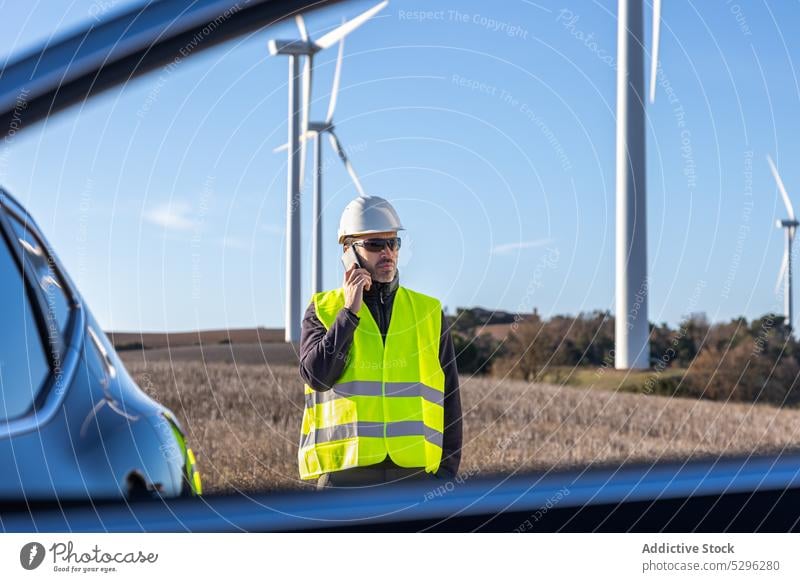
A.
x: 323, y: 354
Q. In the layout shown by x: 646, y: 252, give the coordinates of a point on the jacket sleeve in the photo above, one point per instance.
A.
x: 451, y: 445
x: 324, y: 353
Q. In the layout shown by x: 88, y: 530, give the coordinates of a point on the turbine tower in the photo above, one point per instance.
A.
x: 295, y: 49
x: 790, y: 224
x: 632, y: 332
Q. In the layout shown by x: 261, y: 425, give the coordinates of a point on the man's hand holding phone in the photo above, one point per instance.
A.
x: 355, y: 281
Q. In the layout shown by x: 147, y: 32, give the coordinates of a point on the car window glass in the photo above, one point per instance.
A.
x: 23, y: 365
x: 56, y: 299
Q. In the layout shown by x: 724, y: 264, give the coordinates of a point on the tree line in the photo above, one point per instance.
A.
x: 739, y: 360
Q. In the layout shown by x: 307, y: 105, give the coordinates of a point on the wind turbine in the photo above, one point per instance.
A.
x: 632, y: 332
x: 295, y: 49
x: 315, y: 131
x: 790, y: 224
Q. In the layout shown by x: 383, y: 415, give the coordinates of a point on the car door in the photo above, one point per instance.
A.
x: 69, y: 430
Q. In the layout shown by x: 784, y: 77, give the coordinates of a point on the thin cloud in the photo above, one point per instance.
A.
x: 172, y: 216
x: 508, y: 248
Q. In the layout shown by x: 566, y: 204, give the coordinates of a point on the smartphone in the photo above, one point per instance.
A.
x: 350, y: 258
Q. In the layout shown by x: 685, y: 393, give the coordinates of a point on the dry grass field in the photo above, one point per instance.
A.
x: 243, y: 414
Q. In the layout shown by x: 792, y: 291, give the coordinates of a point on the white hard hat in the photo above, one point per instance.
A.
x: 366, y: 215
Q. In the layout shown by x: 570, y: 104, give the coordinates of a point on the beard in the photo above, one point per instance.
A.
x: 384, y: 275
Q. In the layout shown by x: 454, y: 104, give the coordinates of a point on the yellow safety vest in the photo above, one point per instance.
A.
x: 389, y: 398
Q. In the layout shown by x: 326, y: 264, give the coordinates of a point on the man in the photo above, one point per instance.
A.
x: 382, y: 399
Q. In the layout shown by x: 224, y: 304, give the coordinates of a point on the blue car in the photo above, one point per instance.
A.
x: 73, y: 423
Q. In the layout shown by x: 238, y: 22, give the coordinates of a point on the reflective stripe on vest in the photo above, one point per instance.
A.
x: 388, y: 400
x: 371, y: 429
x: 374, y: 389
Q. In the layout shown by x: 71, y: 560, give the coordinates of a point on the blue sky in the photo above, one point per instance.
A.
x: 491, y: 129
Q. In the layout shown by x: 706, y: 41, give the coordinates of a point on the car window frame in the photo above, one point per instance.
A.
x: 62, y: 366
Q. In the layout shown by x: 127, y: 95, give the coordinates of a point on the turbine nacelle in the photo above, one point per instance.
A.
x: 319, y: 127
x: 787, y: 223
x: 292, y: 47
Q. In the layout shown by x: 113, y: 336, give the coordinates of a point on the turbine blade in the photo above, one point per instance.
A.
x: 337, y: 34
x: 782, y: 272
x: 303, y: 137
x: 301, y: 26
x: 350, y: 170
x: 654, y: 52
x: 781, y: 187
x: 337, y: 75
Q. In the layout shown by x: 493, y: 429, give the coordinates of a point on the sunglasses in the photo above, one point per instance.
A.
x: 375, y: 245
